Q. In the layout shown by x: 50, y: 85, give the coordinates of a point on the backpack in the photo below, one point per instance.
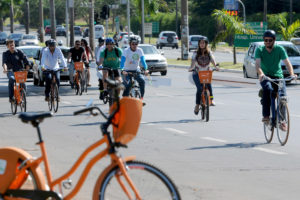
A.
x: 116, y: 52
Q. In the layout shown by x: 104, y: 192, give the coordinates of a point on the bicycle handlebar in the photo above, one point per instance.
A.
x: 90, y: 109
x: 290, y: 78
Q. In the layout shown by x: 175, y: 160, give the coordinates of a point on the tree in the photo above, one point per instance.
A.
x: 288, y: 31
x: 4, y: 12
x: 233, y: 25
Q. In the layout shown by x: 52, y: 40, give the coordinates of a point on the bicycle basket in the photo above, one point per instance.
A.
x: 78, y: 66
x: 21, y: 76
x: 205, y: 76
x: 127, y: 119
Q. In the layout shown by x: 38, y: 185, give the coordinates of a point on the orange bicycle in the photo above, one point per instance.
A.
x: 124, y: 178
x: 80, y: 78
x: 19, y: 92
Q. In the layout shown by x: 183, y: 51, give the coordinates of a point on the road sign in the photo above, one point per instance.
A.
x: 231, y: 5
x: 155, y: 27
x: 148, y: 28
x: 117, y: 19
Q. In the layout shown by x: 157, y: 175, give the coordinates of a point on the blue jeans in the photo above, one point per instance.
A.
x: 200, y: 87
x: 269, y: 94
x: 11, y: 81
x: 48, y: 79
x: 139, y: 78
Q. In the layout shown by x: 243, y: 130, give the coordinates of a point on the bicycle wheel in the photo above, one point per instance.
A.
x: 55, y: 98
x: 206, y: 106
x: 283, y: 117
x: 269, y: 131
x: 150, y: 182
x: 85, y: 81
x: 50, y: 104
x: 80, y: 84
x: 13, y: 106
x: 23, y: 103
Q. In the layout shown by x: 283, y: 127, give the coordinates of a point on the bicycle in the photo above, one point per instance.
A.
x: 19, y: 92
x: 109, y: 97
x: 54, y: 92
x: 79, y: 78
x: 279, y: 115
x: 135, y: 88
x: 124, y: 178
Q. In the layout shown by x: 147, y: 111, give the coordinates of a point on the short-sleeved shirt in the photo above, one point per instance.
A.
x: 203, y: 61
x: 132, y: 58
x: 15, y: 61
x: 76, y: 54
x: 112, y: 60
x: 270, y: 62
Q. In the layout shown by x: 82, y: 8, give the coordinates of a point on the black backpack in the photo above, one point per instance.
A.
x: 116, y: 52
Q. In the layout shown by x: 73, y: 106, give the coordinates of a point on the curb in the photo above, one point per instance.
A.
x: 221, y: 70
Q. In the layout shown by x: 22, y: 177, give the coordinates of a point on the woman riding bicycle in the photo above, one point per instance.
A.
x: 89, y: 57
x: 200, y: 62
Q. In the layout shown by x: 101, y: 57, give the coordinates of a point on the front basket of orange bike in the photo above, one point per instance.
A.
x: 127, y: 119
x: 205, y: 76
x: 78, y: 66
x: 21, y: 76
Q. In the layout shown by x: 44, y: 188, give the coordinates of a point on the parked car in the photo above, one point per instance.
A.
x: 167, y: 39
x: 60, y: 26
x: 48, y: 30
x: 293, y: 53
x: 16, y: 37
x: 31, y: 52
x: 3, y: 37
x: 155, y: 60
x: 38, y: 76
x: 121, y: 34
x: 77, y: 30
x: 124, y: 43
x: 193, y: 41
x: 29, y: 40
x: 99, y: 31
x: 296, y: 42
x: 61, y: 31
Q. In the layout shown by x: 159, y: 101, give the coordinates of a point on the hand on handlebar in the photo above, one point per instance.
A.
x: 262, y: 77
x: 295, y: 76
x: 124, y: 73
x: 146, y: 73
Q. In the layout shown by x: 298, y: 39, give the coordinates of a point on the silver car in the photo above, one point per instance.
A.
x: 293, y: 53
x: 167, y: 39
x: 193, y: 41
x: 29, y: 40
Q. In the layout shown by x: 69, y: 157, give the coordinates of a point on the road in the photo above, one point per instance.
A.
x: 225, y: 158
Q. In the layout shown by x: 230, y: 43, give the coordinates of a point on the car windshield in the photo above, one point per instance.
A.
x: 29, y: 37
x: 291, y: 50
x: 30, y: 53
x: 65, y: 52
x: 98, y: 29
x: 169, y: 34
x: 2, y: 34
x: 77, y: 28
x: 149, y: 49
x: 13, y: 36
x: 195, y: 39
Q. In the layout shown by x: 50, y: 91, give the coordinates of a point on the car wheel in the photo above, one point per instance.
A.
x: 245, y: 72
x: 163, y: 73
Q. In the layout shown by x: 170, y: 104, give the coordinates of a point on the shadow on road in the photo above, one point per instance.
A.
x: 236, y: 145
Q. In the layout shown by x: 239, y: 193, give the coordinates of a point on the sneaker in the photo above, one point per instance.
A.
x: 196, y: 110
x: 213, y: 103
x: 283, y: 126
x: 101, y: 97
x: 46, y: 98
x: 265, y: 119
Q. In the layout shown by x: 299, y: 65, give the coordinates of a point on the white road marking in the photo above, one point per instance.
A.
x: 147, y: 123
x: 67, y: 102
x: 269, y: 151
x: 163, y: 95
x: 214, y: 139
x: 176, y: 131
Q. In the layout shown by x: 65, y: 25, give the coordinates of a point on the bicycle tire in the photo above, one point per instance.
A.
x: 268, y: 131
x: 80, y: 84
x: 137, y: 94
x: 55, y: 97
x: 13, y: 106
x: 50, y: 104
x: 85, y: 81
x: 283, y: 113
x: 206, y: 106
x: 149, y: 180
x: 23, y: 103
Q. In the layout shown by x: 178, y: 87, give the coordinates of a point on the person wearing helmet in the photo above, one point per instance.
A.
x: 60, y: 43
x: 267, y: 59
x: 110, y: 58
x: 130, y: 60
x: 49, y: 62
x: 98, y: 50
x: 88, y: 58
x: 201, y: 60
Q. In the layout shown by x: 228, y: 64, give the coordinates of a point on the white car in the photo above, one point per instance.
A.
x: 99, y: 31
x: 293, y: 53
x: 193, y: 41
x: 29, y: 40
x: 31, y: 52
x: 167, y: 39
x: 296, y: 41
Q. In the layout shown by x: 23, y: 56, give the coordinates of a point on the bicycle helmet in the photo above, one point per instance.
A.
x: 60, y: 43
x: 109, y: 41
x: 203, y: 38
x: 270, y: 33
x: 100, y: 40
x: 52, y: 43
x: 47, y: 43
x: 133, y: 39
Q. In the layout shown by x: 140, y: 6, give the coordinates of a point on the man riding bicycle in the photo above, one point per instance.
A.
x: 49, y: 62
x: 13, y: 60
x: 268, y: 58
x: 130, y: 60
x: 110, y: 58
x: 77, y: 53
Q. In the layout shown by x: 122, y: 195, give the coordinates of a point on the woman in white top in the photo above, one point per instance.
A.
x: 200, y: 62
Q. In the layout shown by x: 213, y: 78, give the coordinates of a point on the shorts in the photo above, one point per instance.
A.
x: 115, y: 72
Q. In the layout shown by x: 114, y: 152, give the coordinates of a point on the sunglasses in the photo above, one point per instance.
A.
x: 268, y: 40
x: 134, y: 44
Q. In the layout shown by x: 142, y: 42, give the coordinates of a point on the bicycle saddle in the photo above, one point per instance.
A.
x: 33, y: 117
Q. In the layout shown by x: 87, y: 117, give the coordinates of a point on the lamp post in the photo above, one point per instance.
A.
x: 244, y: 10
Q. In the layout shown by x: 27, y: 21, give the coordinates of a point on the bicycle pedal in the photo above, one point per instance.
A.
x: 67, y: 184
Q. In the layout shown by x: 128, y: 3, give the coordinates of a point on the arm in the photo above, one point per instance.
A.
x: 258, y: 69
x: 212, y: 60
x: 143, y: 61
x: 92, y: 53
x: 4, y: 61
x: 62, y: 58
x: 192, y: 67
x: 43, y: 60
x: 25, y: 60
x: 123, y: 60
x: 69, y: 56
x: 289, y: 66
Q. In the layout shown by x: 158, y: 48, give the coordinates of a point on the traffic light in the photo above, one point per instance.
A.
x: 96, y: 18
x: 105, y: 12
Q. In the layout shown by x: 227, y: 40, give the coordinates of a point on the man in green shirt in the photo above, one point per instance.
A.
x: 110, y: 58
x: 268, y: 58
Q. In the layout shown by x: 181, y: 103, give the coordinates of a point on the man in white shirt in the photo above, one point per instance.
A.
x: 49, y: 63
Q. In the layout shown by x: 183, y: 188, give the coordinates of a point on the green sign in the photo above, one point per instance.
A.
x: 155, y: 27
x: 117, y: 19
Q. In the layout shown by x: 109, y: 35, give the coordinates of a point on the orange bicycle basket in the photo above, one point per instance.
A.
x: 21, y: 76
x: 127, y: 119
x: 205, y: 76
x: 78, y: 66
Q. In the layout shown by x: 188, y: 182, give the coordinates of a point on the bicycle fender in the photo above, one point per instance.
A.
x: 103, y: 174
x: 9, y: 159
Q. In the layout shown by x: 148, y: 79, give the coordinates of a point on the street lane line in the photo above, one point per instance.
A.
x: 214, y: 139
x: 269, y: 151
x: 176, y: 131
x: 147, y: 123
x: 67, y: 102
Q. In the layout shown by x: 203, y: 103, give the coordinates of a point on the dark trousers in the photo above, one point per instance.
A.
x: 48, y: 79
x: 200, y: 87
x: 139, y: 78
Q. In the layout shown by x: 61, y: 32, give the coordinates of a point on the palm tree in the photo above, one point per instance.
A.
x: 233, y: 25
x: 4, y: 12
x: 288, y: 31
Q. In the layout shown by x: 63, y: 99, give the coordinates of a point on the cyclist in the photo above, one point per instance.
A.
x: 76, y: 54
x: 49, y: 62
x: 110, y: 58
x: 130, y: 60
x: 268, y: 58
x: 13, y: 60
x: 200, y: 62
x: 89, y: 54
x: 99, y: 49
